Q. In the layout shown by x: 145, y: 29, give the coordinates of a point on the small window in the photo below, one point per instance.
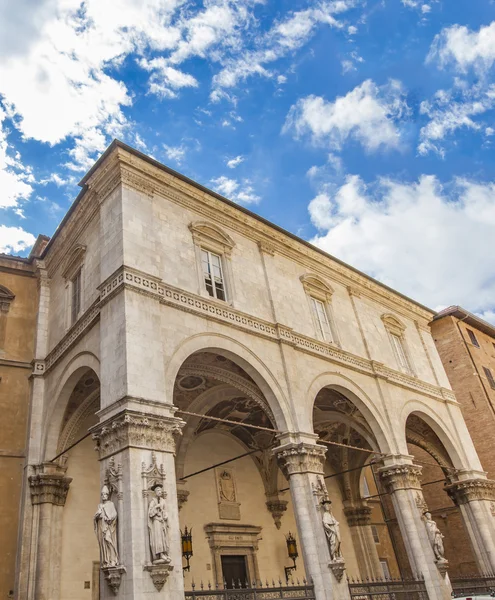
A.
x: 321, y: 318
x: 376, y: 537
x: 489, y: 376
x: 385, y: 569
x: 366, y: 489
x: 76, y: 297
x: 400, y: 352
x: 213, y: 275
x: 493, y: 344
x: 473, y: 339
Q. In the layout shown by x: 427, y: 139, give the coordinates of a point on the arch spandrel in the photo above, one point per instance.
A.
x: 436, y: 422
x: 245, y: 358
x: 359, y: 398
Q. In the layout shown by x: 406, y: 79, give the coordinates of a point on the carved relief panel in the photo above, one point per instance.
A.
x: 228, y: 505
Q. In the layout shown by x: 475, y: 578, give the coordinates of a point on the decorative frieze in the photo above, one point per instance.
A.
x: 138, y: 430
x: 462, y: 492
x: 49, y: 485
x: 400, y: 477
x: 301, y: 458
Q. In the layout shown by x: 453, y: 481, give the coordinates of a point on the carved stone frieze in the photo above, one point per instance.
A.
x: 49, y: 484
x: 358, y: 516
x: 277, y: 509
x: 301, y: 458
x: 135, y: 429
x: 400, y: 477
x: 159, y: 574
x: 462, y: 492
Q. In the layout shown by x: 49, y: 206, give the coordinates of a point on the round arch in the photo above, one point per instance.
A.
x: 439, y: 427
x: 73, y: 371
x: 358, y: 397
x: 244, y: 358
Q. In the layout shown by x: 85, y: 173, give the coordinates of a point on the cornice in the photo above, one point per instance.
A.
x: 138, y: 174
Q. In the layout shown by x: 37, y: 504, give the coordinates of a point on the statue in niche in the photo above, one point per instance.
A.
x: 227, y: 490
x: 105, y: 524
x: 332, y: 531
x: 158, y: 527
x: 435, y: 536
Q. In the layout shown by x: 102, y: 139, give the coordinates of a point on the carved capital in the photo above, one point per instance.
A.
x: 133, y: 429
x: 182, y: 496
x: 49, y: 485
x: 400, y: 477
x: 277, y: 508
x: 358, y: 516
x: 462, y: 492
x: 301, y: 458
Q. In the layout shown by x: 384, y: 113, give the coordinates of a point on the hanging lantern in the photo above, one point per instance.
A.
x: 187, y: 550
x: 293, y: 554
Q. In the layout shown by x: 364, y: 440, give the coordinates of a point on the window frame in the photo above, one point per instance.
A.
x: 211, y: 267
x: 384, y: 561
x: 73, y: 270
x: 472, y: 338
x: 397, y: 337
x: 489, y: 377
x: 75, y: 309
x: 316, y: 289
x: 375, y: 534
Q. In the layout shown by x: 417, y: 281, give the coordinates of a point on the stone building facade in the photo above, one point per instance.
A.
x: 186, y: 333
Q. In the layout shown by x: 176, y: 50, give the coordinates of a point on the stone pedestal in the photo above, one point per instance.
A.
x: 140, y: 447
x: 49, y: 487
x: 402, y: 481
x: 301, y: 461
x: 475, y: 498
x: 358, y: 516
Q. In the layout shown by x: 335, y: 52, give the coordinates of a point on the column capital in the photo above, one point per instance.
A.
x: 467, y: 490
x: 400, y: 477
x: 135, y: 429
x: 358, y: 514
x: 300, y: 457
x: 49, y: 485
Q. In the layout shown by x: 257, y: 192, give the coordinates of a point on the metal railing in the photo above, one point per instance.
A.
x: 473, y: 585
x: 387, y: 589
x: 255, y: 590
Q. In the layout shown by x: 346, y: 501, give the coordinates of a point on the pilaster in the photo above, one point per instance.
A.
x: 358, y: 515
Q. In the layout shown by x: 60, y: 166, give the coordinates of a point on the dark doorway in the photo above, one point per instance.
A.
x: 234, y: 570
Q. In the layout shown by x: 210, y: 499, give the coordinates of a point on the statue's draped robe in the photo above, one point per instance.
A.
x: 332, y: 531
x: 106, y: 531
x: 435, y: 537
x: 157, y: 525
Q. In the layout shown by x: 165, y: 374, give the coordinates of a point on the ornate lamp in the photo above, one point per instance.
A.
x: 293, y: 554
x: 187, y: 550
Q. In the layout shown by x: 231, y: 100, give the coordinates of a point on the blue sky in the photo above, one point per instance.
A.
x: 365, y: 127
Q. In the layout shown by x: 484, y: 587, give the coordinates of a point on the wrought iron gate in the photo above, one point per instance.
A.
x: 388, y: 589
x: 252, y: 591
x: 473, y: 585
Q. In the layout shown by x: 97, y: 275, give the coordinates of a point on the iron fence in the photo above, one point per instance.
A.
x: 255, y: 590
x: 473, y: 585
x: 388, y: 589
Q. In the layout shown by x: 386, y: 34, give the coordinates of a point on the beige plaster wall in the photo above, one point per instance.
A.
x: 79, y: 544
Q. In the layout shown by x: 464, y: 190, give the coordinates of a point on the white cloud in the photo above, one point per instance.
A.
x: 368, y: 114
x: 235, y: 162
x: 452, y: 110
x: 425, y: 9
x: 464, y: 48
x: 175, y: 153
x: 14, y: 239
x: 241, y: 192
x: 352, y: 30
x: 166, y: 80
x: 425, y: 239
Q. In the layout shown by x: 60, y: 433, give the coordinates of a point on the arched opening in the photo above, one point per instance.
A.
x: 350, y: 481
x: 79, y: 553
x: 237, y: 512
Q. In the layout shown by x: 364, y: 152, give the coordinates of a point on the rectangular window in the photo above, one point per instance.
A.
x: 400, y: 352
x: 212, y: 272
x: 385, y: 569
x: 366, y: 489
x: 321, y: 318
x: 489, y: 376
x: 376, y: 537
x: 473, y: 339
x: 76, y: 297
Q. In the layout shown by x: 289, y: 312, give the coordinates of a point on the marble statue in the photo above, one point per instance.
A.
x: 227, y: 490
x: 332, y: 531
x: 158, y: 528
x: 105, y: 524
x: 435, y: 536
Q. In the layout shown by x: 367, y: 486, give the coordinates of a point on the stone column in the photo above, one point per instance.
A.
x: 301, y: 460
x: 475, y: 497
x: 136, y: 451
x: 358, y: 515
x: 49, y: 487
x: 401, y: 479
